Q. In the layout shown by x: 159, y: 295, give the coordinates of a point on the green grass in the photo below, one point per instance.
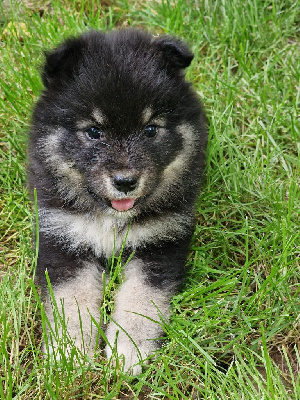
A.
x: 234, y: 333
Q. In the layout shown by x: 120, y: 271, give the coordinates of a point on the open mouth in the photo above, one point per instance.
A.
x: 122, y: 204
x: 116, y: 204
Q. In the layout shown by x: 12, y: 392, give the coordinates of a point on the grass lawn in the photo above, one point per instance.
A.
x: 235, y: 328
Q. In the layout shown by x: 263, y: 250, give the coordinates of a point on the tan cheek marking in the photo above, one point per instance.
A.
x: 63, y: 168
x: 181, y: 162
x: 70, y: 182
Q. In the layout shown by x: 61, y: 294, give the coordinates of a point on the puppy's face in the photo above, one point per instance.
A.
x: 122, y: 166
x: 117, y: 125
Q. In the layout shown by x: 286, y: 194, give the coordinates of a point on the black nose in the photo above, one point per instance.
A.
x: 125, y: 184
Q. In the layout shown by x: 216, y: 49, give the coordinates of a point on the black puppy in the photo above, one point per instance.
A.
x: 118, y: 138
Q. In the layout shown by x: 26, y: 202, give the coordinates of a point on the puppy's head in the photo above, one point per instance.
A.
x: 117, y: 126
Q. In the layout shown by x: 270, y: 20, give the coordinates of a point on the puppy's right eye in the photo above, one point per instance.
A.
x: 151, y: 131
x: 94, y: 133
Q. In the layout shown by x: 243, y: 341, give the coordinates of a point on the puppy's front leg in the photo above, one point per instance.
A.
x: 138, y: 305
x: 78, y: 300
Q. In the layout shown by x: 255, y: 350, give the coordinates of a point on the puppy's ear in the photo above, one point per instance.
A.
x: 174, y: 52
x: 62, y: 62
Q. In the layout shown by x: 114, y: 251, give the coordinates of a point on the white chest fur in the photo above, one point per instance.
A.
x: 106, y: 234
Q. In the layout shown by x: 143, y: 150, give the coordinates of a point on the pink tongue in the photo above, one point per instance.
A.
x: 122, y: 205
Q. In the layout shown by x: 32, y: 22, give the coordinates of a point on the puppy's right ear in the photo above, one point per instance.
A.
x: 62, y: 62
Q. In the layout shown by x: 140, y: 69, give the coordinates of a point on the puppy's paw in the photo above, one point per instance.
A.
x: 129, y: 349
x: 128, y: 357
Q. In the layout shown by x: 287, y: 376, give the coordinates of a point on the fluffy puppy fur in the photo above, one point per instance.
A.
x: 118, y: 138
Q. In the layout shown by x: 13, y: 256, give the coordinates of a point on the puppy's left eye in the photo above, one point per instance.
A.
x: 94, y: 133
x: 151, y: 131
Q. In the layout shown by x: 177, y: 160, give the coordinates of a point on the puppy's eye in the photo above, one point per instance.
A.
x: 94, y: 133
x: 151, y: 131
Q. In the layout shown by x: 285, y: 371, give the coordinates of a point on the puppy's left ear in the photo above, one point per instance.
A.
x: 174, y: 52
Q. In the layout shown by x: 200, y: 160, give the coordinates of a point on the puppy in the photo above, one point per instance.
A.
x: 116, y: 149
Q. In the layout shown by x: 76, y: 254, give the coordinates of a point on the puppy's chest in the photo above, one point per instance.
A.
x: 104, y: 234
x: 76, y: 232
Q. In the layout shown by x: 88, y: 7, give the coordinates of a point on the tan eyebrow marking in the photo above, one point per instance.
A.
x: 146, y: 115
x: 84, y: 123
x: 98, y: 116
